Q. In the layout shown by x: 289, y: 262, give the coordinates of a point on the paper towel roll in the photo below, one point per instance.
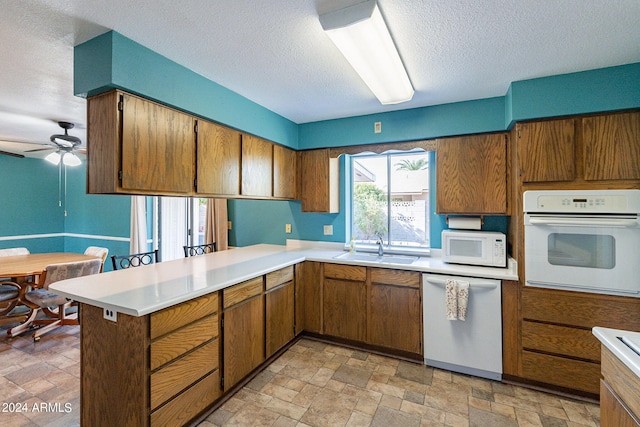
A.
x: 465, y: 222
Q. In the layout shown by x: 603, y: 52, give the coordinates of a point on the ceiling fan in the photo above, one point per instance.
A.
x: 63, y: 147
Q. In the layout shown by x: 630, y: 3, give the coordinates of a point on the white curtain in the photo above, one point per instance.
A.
x: 138, y: 233
x: 216, y: 228
x: 173, y: 227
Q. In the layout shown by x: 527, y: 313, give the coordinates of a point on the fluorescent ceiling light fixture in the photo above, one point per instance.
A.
x: 359, y: 31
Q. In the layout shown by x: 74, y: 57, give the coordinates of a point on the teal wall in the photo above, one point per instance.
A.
x: 113, y: 61
x: 31, y: 217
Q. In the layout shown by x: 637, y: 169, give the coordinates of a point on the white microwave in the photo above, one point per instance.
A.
x: 488, y: 248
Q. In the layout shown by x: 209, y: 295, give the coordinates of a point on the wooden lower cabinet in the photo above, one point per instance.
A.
x: 280, y: 309
x: 345, y: 302
x: 619, y: 391
x: 556, y: 346
x: 243, y: 330
x: 395, y: 307
x: 161, y: 369
x: 309, y: 283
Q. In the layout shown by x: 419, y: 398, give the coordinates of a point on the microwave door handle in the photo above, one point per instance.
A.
x: 443, y: 282
x: 581, y: 222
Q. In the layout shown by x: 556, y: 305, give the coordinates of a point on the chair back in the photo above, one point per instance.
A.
x: 134, y: 260
x: 69, y: 270
x: 98, y: 252
x: 199, y: 249
x: 14, y: 251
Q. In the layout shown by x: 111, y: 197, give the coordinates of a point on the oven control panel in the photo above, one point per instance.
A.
x: 600, y: 201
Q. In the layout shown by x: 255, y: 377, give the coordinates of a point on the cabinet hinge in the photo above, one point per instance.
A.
x: 221, y: 383
x: 121, y: 103
x: 195, y: 127
x: 120, y: 176
x: 195, y: 183
x: 519, y: 133
x: 222, y: 323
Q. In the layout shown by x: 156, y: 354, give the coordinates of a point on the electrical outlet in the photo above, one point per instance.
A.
x: 328, y: 230
x: 110, y: 315
x: 287, y: 228
x: 377, y: 127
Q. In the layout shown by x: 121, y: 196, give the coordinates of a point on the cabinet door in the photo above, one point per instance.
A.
x: 158, y: 148
x: 613, y: 412
x: 218, y: 163
x: 257, y: 166
x: 546, y: 151
x: 280, y: 317
x: 345, y: 309
x: 243, y: 338
x: 284, y: 172
x: 396, y: 295
x: 318, y: 180
x: 309, y: 294
x: 472, y: 174
x: 611, y: 146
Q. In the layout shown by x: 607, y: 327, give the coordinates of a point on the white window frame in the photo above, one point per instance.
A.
x: 391, y: 249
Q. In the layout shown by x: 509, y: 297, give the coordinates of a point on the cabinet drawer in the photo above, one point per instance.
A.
x: 559, y: 371
x: 387, y: 276
x: 345, y: 272
x: 175, y: 317
x: 560, y: 340
x: 240, y: 292
x: 183, y: 340
x: 189, y: 403
x: 279, y: 277
x: 181, y: 373
x: 581, y: 309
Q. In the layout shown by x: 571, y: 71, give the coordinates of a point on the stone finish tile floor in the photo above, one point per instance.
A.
x: 311, y: 384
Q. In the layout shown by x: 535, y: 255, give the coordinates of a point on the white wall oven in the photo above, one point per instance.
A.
x: 583, y: 240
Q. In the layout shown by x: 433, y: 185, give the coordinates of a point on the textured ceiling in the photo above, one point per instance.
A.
x: 276, y: 54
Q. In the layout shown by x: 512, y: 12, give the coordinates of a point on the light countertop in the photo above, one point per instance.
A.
x: 144, y: 290
x: 610, y: 338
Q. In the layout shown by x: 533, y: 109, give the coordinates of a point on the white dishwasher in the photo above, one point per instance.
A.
x: 472, y: 346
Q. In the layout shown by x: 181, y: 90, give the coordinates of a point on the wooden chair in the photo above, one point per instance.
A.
x: 134, y: 260
x: 10, y: 291
x: 98, y: 252
x: 9, y: 299
x: 41, y: 299
x: 199, y: 249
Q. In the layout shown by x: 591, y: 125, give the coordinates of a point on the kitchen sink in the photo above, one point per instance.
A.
x: 384, y: 259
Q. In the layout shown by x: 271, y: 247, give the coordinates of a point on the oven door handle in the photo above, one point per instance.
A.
x: 581, y: 222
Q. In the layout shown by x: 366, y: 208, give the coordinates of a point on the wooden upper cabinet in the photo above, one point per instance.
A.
x: 318, y: 186
x: 611, y: 146
x: 257, y: 166
x: 218, y: 159
x: 472, y: 174
x: 158, y: 149
x: 284, y: 172
x: 546, y: 151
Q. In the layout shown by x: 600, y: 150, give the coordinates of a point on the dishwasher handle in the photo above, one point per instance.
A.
x: 443, y: 282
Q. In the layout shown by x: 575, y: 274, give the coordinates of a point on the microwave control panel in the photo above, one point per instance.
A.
x: 601, y: 201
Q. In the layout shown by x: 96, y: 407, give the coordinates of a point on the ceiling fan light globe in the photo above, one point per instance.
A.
x: 70, y: 159
x: 53, y: 158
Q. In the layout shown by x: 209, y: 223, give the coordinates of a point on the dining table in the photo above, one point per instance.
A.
x: 25, y: 270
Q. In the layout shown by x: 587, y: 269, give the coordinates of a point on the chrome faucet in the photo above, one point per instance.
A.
x: 380, y: 242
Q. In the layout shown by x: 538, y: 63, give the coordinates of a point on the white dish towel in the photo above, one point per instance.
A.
x: 457, y: 299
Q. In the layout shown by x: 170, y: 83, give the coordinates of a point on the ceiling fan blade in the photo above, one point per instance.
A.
x: 39, y: 149
x: 6, y: 153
